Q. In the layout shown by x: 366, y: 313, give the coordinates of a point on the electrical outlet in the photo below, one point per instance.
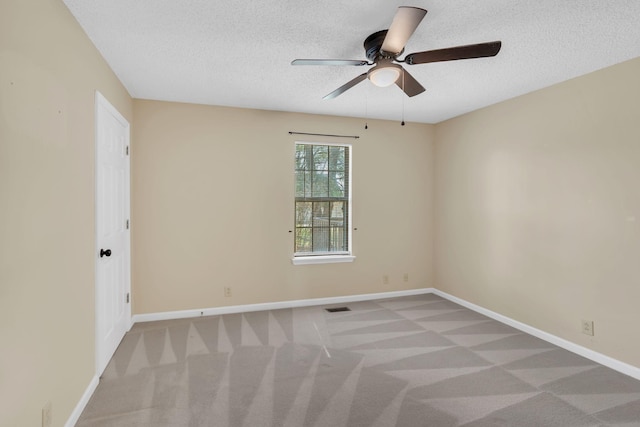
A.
x: 46, y: 415
x: 227, y: 291
x: 385, y: 279
x: 406, y: 277
x: 587, y: 327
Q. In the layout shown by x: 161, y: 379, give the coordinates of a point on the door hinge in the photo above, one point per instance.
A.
x: 127, y: 150
x: 127, y: 225
x: 127, y: 298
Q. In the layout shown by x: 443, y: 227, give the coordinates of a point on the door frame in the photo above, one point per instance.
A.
x: 100, y: 356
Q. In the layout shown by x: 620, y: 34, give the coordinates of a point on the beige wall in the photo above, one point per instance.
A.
x: 213, y: 206
x: 538, y: 209
x: 535, y: 205
x: 49, y: 72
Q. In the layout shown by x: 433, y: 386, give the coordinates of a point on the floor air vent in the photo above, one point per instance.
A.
x: 337, y: 309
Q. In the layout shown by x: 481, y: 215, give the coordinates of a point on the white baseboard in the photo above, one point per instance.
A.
x: 77, y: 411
x: 600, y: 358
x: 183, y: 314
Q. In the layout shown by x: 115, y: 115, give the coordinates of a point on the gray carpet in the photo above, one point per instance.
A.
x: 404, y: 362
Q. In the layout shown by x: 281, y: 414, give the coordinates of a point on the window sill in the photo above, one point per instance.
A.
x: 322, y: 259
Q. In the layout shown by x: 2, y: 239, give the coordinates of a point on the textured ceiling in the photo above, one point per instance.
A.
x: 238, y: 53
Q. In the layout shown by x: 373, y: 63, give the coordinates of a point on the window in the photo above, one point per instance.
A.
x: 322, y: 203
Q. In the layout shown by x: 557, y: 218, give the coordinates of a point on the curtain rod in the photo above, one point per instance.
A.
x: 324, y: 134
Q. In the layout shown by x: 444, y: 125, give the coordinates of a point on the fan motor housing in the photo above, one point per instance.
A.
x: 373, y: 46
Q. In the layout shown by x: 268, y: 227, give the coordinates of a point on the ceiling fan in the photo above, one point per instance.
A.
x: 383, y: 48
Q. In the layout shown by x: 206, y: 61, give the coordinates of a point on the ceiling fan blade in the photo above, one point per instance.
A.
x: 479, y: 50
x: 409, y: 85
x: 404, y: 24
x: 346, y: 86
x: 329, y: 62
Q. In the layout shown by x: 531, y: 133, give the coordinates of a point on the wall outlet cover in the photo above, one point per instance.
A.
x: 47, y: 415
x: 587, y: 327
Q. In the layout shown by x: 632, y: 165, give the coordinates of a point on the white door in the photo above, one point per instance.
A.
x: 113, y: 270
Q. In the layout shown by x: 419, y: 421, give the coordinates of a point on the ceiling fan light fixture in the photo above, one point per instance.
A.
x: 384, y: 75
x: 383, y: 47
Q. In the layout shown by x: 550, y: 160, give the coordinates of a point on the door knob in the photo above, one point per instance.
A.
x: 105, y: 252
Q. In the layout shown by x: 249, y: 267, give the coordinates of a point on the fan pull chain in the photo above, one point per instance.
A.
x: 366, y: 107
x: 403, y: 96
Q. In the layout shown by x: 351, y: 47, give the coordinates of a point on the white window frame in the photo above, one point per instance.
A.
x: 330, y: 257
